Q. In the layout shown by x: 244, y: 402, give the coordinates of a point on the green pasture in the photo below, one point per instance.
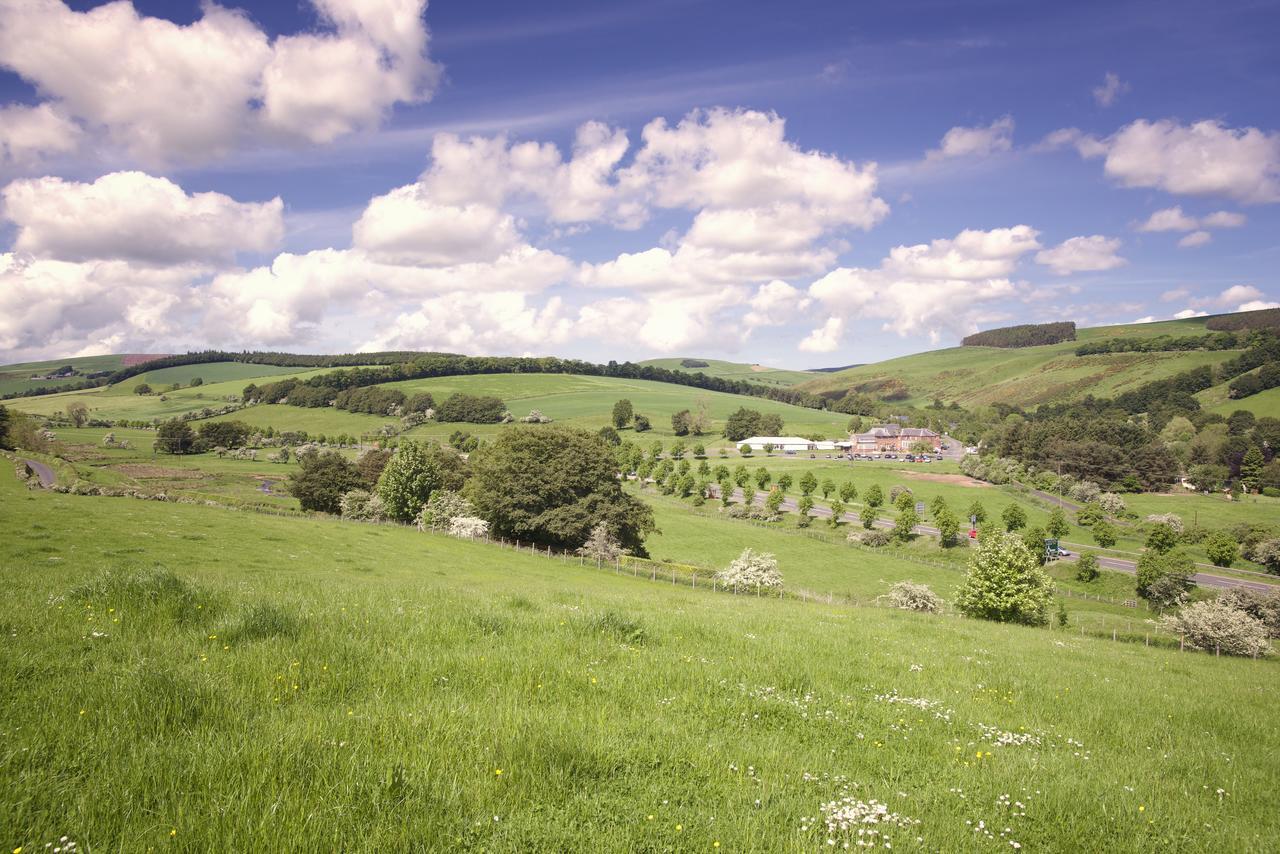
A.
x: 187, y: 678
x: 738, y: 371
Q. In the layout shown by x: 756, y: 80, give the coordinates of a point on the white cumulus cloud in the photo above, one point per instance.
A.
x: 978, y: 141
x: 1110, y: 90
x: 1082, y: 254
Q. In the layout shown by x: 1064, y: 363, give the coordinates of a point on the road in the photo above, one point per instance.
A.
x: 43, y: 472
x: 1204, y: 579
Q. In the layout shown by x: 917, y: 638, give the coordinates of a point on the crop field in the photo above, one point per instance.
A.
x: 738, y: 371
x: 976, y: 376
x: 326, y: 685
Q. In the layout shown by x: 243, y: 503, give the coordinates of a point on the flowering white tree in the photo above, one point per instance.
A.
x: 1216, y: 627
x: 601, y: 545
x: 751, y: 569
x: 909, y: 596
x: 1111, y: 503
x: 442, y: 508
x: 1005, y: 583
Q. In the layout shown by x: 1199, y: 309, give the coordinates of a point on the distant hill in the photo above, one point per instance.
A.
x: 734, y: 370
x: 1030, y: 376
x: 54, y: 374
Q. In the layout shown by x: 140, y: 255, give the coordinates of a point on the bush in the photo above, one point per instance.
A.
x: 876, y: 538
x: 1112, y: 504
x: 1216, y: 627
x: 1014, y: 518
x: 1005, y: 583
x: 1162, y: 538
x: 1087, y: 567
x: 909, y: 596
x: 1172, y: 520
x: 601, y: 545
x: 751, y: 570
x: 472, y: 409
x: 1164, y: 580
x: 362, y: 506
x: 1104, y: 534
x: 468, y: 527
x: 442, y: 508
x: 1221, y: 548
x: 1255, y: 603
x: 1267, y: 553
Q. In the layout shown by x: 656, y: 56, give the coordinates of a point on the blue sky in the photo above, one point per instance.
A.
x: 816, y: 184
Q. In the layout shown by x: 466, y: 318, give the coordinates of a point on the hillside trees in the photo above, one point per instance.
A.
x: 554, y: 486
x: 472, y: 409
x: 1024, y: 335
x: 745, y: 423
x: 77, y: 413
x: 175, y: 437
x: 224, y: 434
x: 681, y: 422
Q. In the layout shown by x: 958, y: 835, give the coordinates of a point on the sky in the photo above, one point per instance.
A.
x: 802, y: 185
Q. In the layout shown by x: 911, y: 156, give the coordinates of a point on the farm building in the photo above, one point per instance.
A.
x: 786, y: 444
x: 893, y: 437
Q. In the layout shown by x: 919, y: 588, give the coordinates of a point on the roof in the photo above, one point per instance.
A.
x: 776, y: 440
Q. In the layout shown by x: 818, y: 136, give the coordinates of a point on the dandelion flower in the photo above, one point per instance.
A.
x: 1142, y: 808
x: 497, y: 772
x: 173, y: 832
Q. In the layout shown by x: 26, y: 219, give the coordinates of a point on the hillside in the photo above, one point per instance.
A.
x: 396, y: 686
x: 26, y: 376
x: 736, y: 371
x: 1030, y: 376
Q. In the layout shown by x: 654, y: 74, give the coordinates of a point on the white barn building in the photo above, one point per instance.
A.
x: 781, y: 443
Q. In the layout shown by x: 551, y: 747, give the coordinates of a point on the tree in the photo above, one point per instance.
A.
x: 837, y: 513
x: 1164, y: 579
x: 677, y: 449
x: 681, y: 422
x: 322, y: 479
x: 408, y: 480
x: 1104, y: 534
x: 1057, y: 527
x: 763, y: 478
x: 768, y: 448
x: 867, y: 516
x: 422, y: 401
x: 774, y: 501
x: 700, y: 451
x: 805, y: 507
x: 874, y: 496
x: 370, y: 464
x: 948, y: 525
x: 977, y: 512
x: 142, y: 388
x: 175, y: 437
x: 785, y: 481
x: 1267, y: 553
x: 1221, y: 548
x: 741, y: 476
x: 751, y: 570
x: 5, y: 421
x: 726, y: 491
x: 1034, y: 539
x: 642, y: 423
x: 1208, y: 477
x: 1005, y: 583
x: 904, y: 525
x: 742, y: 424
x: 622, y: 413
x: 1087, y: 567
x: 609, y: 436
x: 745, y: 450
x: 225, y: 434
x: 78, y: 413
x: 1251, y: 468
x: 828, y: 487
x: 848, y: 492
x: 553, y: 486
x: 1162, y: 538
x: 808, y: 483
x: 770, y: 424
x: 701, y: 421
x: 601, y: 545
x: 936, y: 505
x: 905, y: 500
x: 1219, y: 627
x: 1014, y: 518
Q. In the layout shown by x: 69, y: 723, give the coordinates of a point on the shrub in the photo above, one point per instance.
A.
x: 1162, y: 538
x: 1255, y: 603
x: 1112, y: 504
x: 442, y: 508
x: 1172, y: 520
x: 904, y: 525
x: 909, y: 596
x: 470, y: 408
x: 1222, y: 550
x: 1005, y: 583
x: 751, y: 569
x: 867, y: 516
x: 322, y: 480
x: 362, y: 506
x: 1014, y: 517
x: 876, y: 538
x: 1267, y: 553
x: 1214, y: 626
x: 1104, y: 534
x: 1164, y: 580
x: 1084, y: 492
x: 468, y: 527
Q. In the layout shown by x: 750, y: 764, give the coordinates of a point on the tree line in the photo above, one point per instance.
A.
x: 1023, y: 335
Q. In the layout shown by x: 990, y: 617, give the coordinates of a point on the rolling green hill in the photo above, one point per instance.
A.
x: 32, y: 375
x: 737, y: 371
x: 185, y: 677
x: 1030, y: 376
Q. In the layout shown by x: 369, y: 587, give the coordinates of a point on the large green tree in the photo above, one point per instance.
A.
x: 1005, y: 583
x: 175, y: 437
x: 622, y: 413
x: 322, y: 479
x: 408, y: 480
x: 554, y: 486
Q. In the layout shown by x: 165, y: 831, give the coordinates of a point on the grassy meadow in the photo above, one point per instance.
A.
x: 191, y: 678
x: 738, y: 371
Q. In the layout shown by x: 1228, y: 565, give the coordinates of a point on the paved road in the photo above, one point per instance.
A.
x: 1204, y: 579
x: 43, y: 472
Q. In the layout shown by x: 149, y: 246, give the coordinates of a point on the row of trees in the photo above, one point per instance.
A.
x: 1023, y: 335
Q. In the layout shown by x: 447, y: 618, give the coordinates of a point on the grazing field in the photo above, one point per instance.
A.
x: 18, y: 377
x: 588, y: 402
x: 1029, y: 376
x: 324, y: 685
x: 738, y: 371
